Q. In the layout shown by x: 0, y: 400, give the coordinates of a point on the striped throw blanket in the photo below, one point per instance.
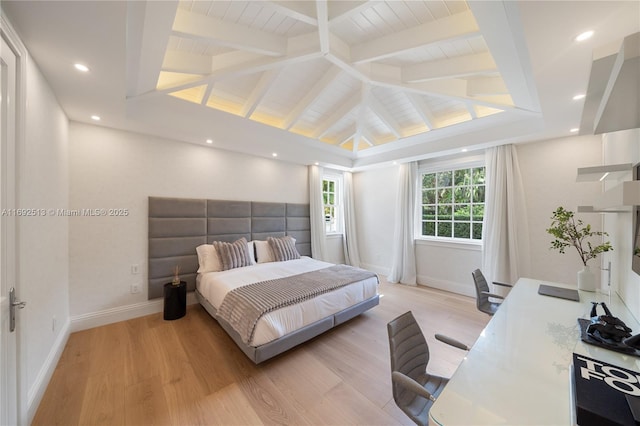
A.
x: 243, y: 306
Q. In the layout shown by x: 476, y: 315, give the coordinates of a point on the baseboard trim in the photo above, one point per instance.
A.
x: 37, y: 390
x: 121, y: 313
x: 375, y: 268
x: 445, y: 285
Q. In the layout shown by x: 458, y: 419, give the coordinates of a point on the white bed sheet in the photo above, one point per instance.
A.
x: 215, y: 285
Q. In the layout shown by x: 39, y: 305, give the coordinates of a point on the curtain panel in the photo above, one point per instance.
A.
x: 403, y: 268
x: 350, y: 238
x: 316, y: 213
x: 505, y: 232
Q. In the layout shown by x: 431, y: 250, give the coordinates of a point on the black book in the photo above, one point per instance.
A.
x: 605, y: 394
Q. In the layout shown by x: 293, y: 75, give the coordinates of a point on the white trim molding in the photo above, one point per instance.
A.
x: 121, y: 313
x: 450, y: 286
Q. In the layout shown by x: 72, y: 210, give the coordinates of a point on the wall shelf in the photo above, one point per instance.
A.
x: 620, y: 198
x: 600, y: 173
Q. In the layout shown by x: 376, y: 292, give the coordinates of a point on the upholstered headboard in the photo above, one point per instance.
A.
x: 178, y: 225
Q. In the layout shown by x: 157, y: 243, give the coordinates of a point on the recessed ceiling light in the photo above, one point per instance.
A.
x: 579, y: 96
x: 81, y: 67
x: 584, y: 36
x: 209, y: 141
x: 464, y: 150
x: 95, y: 117
x: 275, y: 154
x: 316, y: 163
x: 575, y: 129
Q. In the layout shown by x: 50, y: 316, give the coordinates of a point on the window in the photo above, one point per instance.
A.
x: 453, y: 203
x: 331, y: 187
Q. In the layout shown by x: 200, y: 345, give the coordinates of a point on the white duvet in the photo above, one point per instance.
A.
x: 215, y: 285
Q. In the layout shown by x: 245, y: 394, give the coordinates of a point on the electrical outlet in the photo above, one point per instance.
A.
x: 135, y: 269
x: 54, y: 323
x: 135, y: 288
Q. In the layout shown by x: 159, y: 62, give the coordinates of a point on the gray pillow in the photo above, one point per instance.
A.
x: 284, y: 248
x: 233, y: 255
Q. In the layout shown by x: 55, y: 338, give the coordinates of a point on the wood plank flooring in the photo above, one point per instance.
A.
x: 148, y: 371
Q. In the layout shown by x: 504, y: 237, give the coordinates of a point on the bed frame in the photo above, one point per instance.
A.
x: 178, y: 225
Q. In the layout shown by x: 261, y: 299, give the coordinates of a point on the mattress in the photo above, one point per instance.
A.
x: 213, y: 286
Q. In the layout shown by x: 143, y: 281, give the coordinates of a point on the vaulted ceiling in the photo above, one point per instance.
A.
x: 346, y: 84
x: 353, y: 74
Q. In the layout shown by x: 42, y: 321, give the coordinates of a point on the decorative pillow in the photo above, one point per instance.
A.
x: 233, y: 255
x: 264, y: 253
x: 208, y: 259
x: 284, y: 248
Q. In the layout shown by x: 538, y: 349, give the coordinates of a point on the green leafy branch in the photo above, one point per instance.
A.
x: 571, y: 232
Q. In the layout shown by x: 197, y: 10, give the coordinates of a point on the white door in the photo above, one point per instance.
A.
x: 8, y: 339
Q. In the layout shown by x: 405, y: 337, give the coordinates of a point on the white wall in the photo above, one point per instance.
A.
x: 549, y: 172
x: 375, y: 199
x: 43, y: 241
x: 622, y: 147
x: 117, y: 169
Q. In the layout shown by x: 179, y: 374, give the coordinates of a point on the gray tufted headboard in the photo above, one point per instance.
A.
x: 178, y: 225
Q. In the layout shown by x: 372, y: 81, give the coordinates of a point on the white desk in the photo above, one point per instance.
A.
x: 518, y: 371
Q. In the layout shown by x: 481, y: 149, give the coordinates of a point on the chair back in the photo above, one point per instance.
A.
x: 482, y: 300
x: 408, y: 349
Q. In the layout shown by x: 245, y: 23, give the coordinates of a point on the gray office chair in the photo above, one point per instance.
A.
x: 414, y: 390
x: 483, y: 294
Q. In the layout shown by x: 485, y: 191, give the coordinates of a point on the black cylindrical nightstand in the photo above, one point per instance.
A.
x: 175, y: 300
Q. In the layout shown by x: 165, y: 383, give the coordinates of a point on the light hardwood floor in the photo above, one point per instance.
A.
x: 188, y: 371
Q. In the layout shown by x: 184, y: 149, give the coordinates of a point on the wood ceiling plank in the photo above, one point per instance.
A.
x: 336, y: 116
x: 300, y: 11
x: 340, y: 11
x: 460, y: 66
x: 311, y: 95
x: 457, y: 26
x: 193, y: 25
x: 259, y: 92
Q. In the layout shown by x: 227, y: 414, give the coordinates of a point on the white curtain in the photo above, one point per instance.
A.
x: 350, y: 239
x: 505, y: 236
x: 403, y: 268
x: 316, y: 206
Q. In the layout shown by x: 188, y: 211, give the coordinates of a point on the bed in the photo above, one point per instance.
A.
x: 276, y: 237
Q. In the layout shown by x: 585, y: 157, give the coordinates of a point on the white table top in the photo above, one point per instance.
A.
x: 518, y: 371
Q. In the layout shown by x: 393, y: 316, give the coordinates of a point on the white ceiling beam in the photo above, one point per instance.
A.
x: 382, y: 113
x: 345, y: 135
x: 207, y: 94
x: 422, y: 110
x: 300, y: 11
x: 259, y: 92
x: 337, y: 115
x: 323, y: 25
x: 201, y: 27
x: 503, y: 33
x: 311, y: 96
x: 259, y: 65
x: 186, y: 62
x: 471, y: 110
x: 460, y: 66
x: 368, y: 137
x: 148, y: 32
x: 454, y: 27
x: 485, y: 86
x: 340, y: 11
x: 365, y: 95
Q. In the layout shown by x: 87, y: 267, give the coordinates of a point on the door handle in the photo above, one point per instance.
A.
x: 13, y: 304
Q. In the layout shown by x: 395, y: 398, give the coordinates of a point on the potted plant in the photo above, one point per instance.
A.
x: 571, y: 232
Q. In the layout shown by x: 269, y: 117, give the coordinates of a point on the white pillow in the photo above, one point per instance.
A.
x: 208, y: 259
x: 252, y: 252
x: 264, y: 252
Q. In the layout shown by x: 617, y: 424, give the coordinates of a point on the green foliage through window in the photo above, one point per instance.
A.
x: 453, y: 203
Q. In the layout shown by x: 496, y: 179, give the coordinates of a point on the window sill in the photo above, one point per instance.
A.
x: 334, y: 235
x: 473, y: 245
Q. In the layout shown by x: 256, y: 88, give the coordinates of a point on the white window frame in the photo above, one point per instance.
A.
x: 337, y: 228
x: 435, y: 167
